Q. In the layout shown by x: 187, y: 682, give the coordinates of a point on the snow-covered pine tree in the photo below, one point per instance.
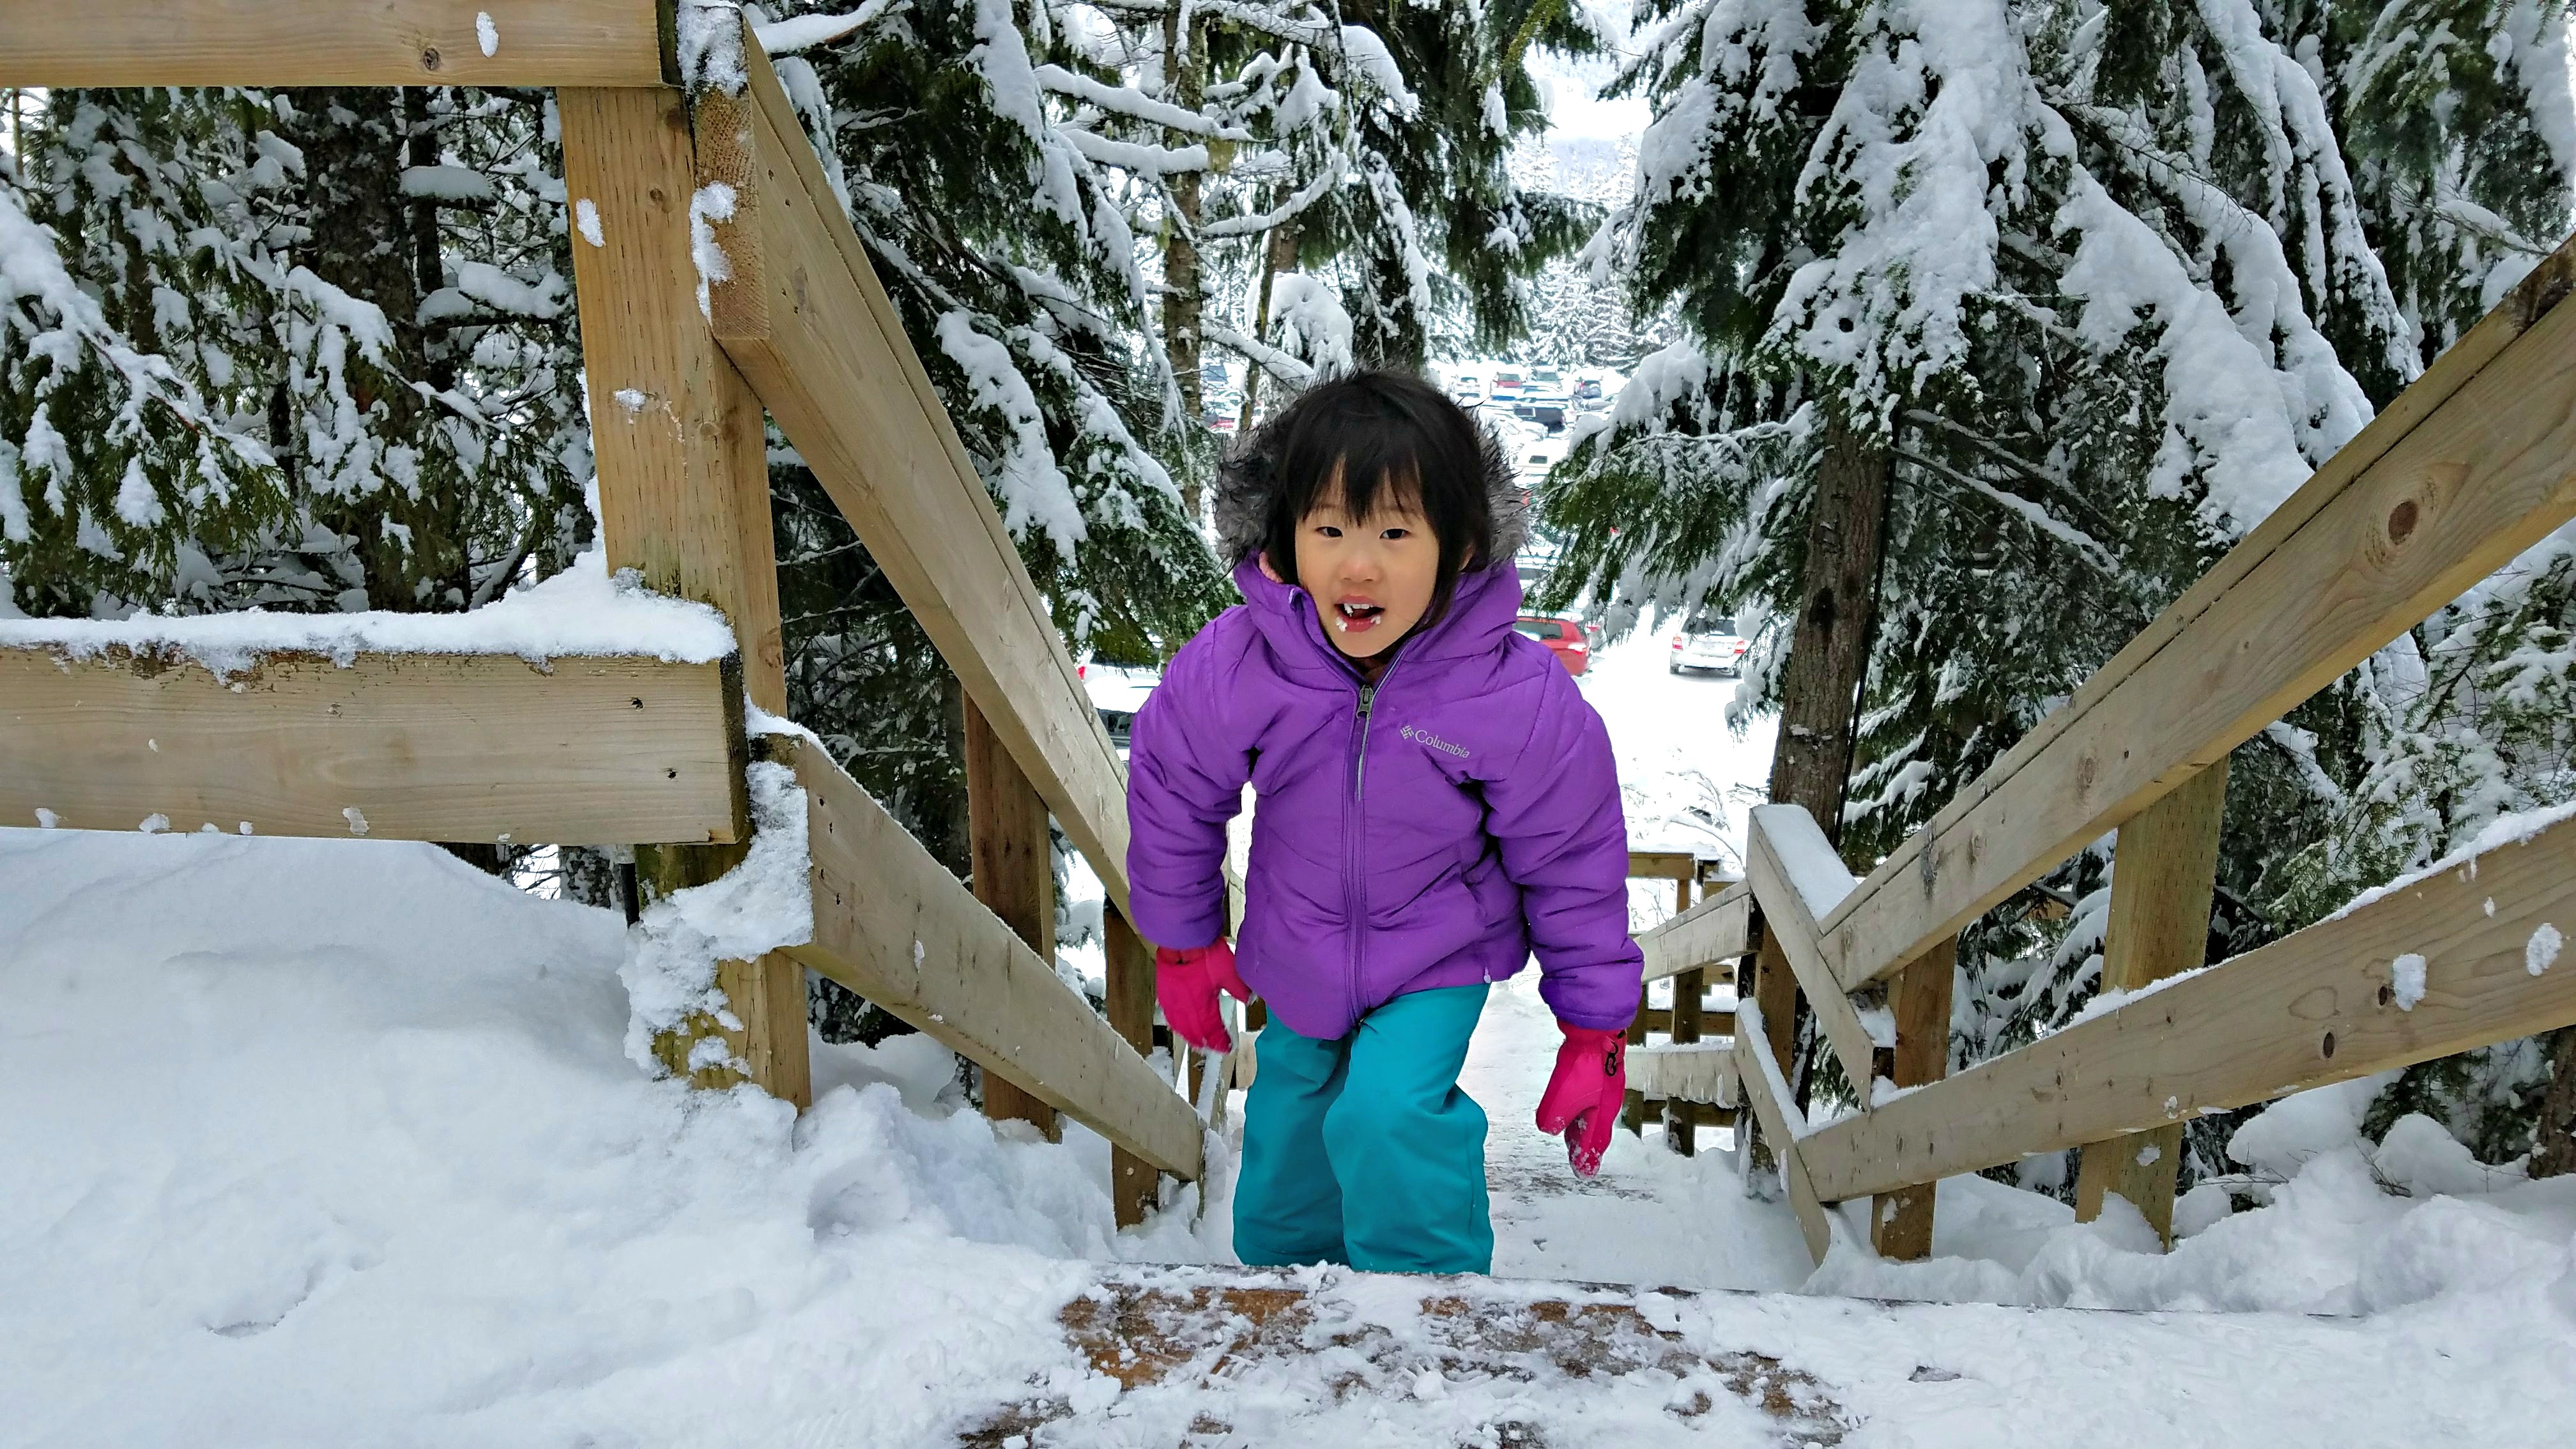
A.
x: 298, y: 349
x: 2459, y: 121
x: 2085, y: 274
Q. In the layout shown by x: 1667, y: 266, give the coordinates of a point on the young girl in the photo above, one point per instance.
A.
x: 1437, y: 801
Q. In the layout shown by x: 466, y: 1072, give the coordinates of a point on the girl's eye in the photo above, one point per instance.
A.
x: 1395, y: 533
x: 1327, y: 530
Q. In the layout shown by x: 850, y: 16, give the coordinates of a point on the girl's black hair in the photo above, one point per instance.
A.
x: 1384, y: 430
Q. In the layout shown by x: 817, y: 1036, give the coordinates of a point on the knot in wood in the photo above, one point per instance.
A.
x: 2401, y: 521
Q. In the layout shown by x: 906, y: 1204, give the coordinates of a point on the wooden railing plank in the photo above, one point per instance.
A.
x: 461, y: 747
x: 2324, y: 1005
x: 331, y: 43
x: 803, y: 316
x: 1698, y: 1072
x: 893, y: 925
x: 1712, y: 931
x: 2464, y: 470
x: 1766, y: 1090
x: 1786, y: 853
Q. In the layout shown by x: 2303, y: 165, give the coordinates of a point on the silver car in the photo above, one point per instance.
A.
x: 1709, y: 642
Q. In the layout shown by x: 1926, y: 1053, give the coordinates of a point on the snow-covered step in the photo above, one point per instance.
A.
x: 1253, y: 1356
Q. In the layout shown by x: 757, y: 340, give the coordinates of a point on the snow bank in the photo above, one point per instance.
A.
x: 580, y: 611
x: 2411, y: 1226
x: 337, y: 1142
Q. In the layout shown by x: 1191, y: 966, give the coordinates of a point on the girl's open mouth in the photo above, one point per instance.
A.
x: 1353, y: 618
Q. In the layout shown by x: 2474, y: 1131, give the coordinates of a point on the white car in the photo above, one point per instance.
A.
x: 1709, y: 642
x: 1118, y: 691
x: 1532, y: 459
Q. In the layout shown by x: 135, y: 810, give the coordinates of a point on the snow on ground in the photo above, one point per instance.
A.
x: 332, y: 1142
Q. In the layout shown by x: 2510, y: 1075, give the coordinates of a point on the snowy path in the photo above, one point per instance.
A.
x: 1650, y: 1217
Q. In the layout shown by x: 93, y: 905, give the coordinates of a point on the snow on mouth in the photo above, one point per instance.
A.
x: 1352, y: 617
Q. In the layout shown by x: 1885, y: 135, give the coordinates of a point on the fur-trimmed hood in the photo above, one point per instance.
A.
x: 1244, y: 489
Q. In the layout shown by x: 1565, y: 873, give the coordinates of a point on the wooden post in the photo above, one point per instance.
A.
x: 2163, y: 874
x: 683, y: 489
x: 1133, y: 1183
x: 1006, y: 826
x: 1681, y: 1123
x: 1632, y: 1108
x: 1775, y: 993
x: 1900, y: 1223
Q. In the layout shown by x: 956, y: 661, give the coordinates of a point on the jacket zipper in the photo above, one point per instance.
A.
x: 1353, y: 833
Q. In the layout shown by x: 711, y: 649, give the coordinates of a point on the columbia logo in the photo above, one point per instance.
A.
x: 1426, y: 737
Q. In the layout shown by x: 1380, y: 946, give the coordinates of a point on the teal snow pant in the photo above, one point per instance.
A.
x: 1363, y: 1151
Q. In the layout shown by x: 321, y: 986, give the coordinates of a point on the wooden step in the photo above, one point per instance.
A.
x: 1239, y: 1355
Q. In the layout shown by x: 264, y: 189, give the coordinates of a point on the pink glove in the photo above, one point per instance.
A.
x: 1583, y: 1096
x: 1185, y: 986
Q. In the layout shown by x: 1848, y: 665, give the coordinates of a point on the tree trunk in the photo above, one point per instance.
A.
x: 1820, y: 681
x: 2553, y: 1146
x: 1279, y: 256
x: 354, y: 144
x: 1185, y: 81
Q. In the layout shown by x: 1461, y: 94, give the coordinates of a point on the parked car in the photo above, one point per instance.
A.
x: 1545, y: 382
x: 1506, y: 386
x: 1564, y: 638
x: 1118, y: 691
x: 1548, y: 415
x: 1468, y: 389
x: 1588, y: 390
x: 1536, y: 457
x: 1708, y: 641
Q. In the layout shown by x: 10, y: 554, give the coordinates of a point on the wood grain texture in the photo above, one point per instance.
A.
x: 1133, y: 1183
x: 677, y: 433
x: 329, y: 43
x: 1788, y: 918
x: 2465, y: 469
x: 1014, y: 876
x: 1712, y: 931
x: 1759, y: 1080
x: 1900, y: 1222
x: 805, y: 319
x: 463, y: 747
x: 893, y: 925
x: 2311, y: 1008
x: 1699, y: 1072
x: 2162, y: 881
x: 682, y: 454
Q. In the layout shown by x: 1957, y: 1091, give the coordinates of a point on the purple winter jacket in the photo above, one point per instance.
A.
x: 1432, y: 830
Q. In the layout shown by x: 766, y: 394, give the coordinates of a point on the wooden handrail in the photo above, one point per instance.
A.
x: 893, y: 925
x: 2323, y: 1005
x: 2468, y: 467
x: 803, y: 316
x: 607, y: 750
x: 333, y: 43
x: 1714, y: 930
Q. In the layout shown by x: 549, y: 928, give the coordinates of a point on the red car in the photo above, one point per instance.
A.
x: 1564, y: 638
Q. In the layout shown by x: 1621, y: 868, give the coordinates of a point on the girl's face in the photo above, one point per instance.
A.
x: 1371, y: 578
